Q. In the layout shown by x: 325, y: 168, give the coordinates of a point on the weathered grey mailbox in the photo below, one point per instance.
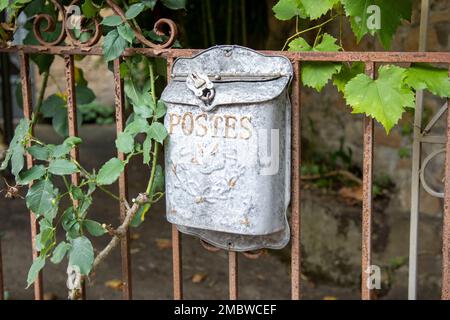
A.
x: 228, y: 152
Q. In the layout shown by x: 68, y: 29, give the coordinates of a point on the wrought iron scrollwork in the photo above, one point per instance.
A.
x: 158, y: 28
x: 46, y: 23
x: 50, y: 26
x: 83, y: 27
x: 426, y: 138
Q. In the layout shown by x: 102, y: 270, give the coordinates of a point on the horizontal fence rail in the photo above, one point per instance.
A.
x: 369, y: 58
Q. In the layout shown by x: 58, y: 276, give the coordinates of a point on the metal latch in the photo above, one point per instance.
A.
x: 201, y: 86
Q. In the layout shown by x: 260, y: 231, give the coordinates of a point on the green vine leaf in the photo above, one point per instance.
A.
x: 142, y: 102
x: 112, y: 21
x: 384, y: 99
x: 39, y: 152
x: 35, y: 173
x: 134, y: 10
x: 41, y: 197
x: 81, y: 254
x: 62, y: 167
x: 110, y: 171
x: 17, y: 160
x: 60, y: 251
x: 138, y: 125
x: 363, y: 15
x: 315, y: 9
x: 346, y: 74
x: 174, y: 4
x: 89, y: 9
x: 317, y: 74
x: 125, y: 142
x: 424, y: 76
x: 146, y: 148
x: 287, y: 9
x: 160, y: 110
x: 157, y: 131
x: 113, y: 45
x: 16, y: 150
x: 37, y: 266
x: 126, y: 32
x: 94, y: 228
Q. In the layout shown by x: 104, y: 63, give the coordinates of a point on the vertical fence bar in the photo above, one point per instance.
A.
x: 233, y: 274
x: 366, y: 248
x: 416, y: 159
x: 27, y: 109
x: 72, y: 126
x: 295, y: 185
x: 127, y: 292
x: 2, y: 287
x: 176, y: 236
x: 446, y: 222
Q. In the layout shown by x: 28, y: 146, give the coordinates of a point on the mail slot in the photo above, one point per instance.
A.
x: 227, y: 157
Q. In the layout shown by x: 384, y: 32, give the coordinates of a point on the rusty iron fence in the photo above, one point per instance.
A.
x: 371, y: 59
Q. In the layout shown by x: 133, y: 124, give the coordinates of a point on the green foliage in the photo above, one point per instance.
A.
x: 317, y: 74
x: 391, y: 15
x: 424, y: 76
x: 41, y: 197
x: 81, y: 254
x: 113, y: 45
x: 68, y: 209
x: 134, y: 10
x: 174, y: 4
x: 37, y: 266
x: 287, y: 9
x: 60, y: 252
x: 384, y: 99
x: 110, y: 171
x: 346, y: 74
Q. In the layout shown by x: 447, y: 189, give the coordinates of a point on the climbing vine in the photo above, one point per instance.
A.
x: 385, y: 98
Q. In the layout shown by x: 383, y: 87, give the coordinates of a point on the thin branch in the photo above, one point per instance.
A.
x: 306, y: 30
x: 121, y: 230
x: 344, y: 173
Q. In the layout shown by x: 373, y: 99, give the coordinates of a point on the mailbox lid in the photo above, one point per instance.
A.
x: 239, y: 75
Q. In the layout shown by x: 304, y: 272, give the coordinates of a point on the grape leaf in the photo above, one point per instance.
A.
x: 424, y: 76
x: 364, y: 14
x: 287, y: 9
x: 346, y: 74
x: 384, y: 99
x: 317, y: 74
x: 315, y: 9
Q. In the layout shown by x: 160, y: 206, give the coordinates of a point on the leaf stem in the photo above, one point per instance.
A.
x: 306, y: 30
x: 40, y: 98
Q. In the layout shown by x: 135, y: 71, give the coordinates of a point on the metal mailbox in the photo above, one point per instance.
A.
x: 227, y: 164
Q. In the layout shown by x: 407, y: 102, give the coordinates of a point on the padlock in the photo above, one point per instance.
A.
x: 227, y: 157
